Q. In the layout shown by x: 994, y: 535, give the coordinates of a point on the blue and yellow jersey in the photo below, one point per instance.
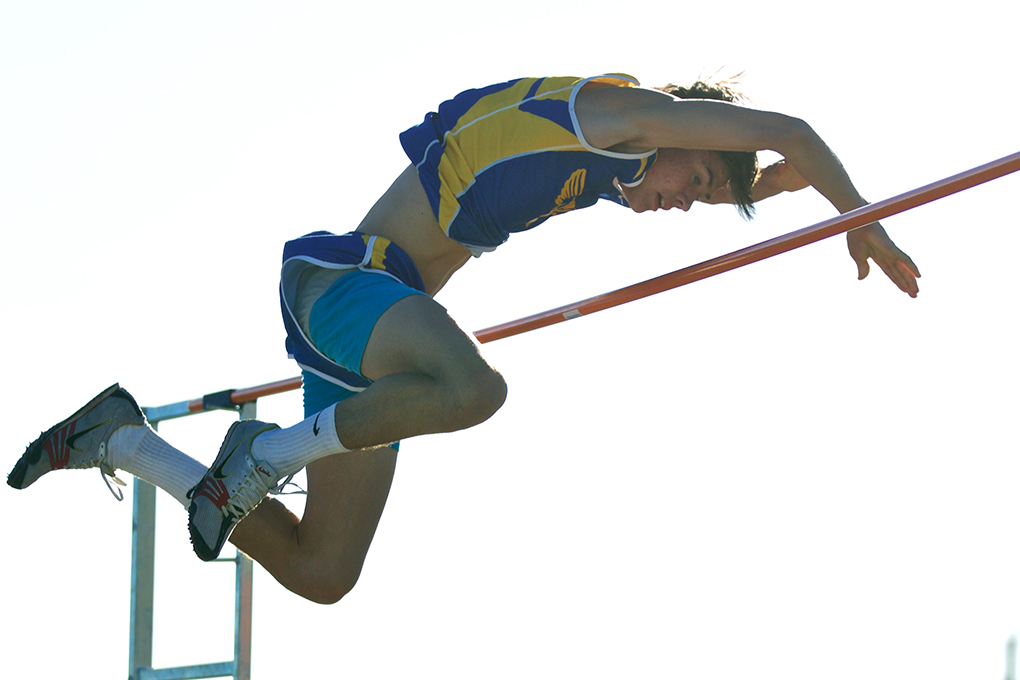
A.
x: 507, y: 157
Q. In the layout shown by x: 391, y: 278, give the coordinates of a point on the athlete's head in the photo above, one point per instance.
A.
x: 677, y: 179
x: 741, y: 166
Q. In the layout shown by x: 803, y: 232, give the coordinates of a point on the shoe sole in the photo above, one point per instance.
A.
x: 32, y: 455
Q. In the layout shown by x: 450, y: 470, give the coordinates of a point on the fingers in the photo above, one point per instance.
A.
x: 901, y: 273
x: 905, y: 279
x: 898, y: 266
x: 908, y: 278
x: 909, y: 264
x: 873, y: 243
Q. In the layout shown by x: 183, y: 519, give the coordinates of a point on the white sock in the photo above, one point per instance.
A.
x: 141, y: 452
x: 289, y: 449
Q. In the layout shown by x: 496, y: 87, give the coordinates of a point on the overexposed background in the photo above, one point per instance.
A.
x: 779, y: 472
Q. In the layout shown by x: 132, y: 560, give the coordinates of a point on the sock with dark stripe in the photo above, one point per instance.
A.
x: 287, y: 450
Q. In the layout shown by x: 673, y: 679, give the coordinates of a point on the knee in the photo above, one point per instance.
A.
x: 329, y: 594
x: 328, y: 586
x: 478, y: 394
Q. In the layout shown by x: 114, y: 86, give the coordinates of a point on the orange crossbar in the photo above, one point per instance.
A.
x: 781, y: 244
x: 247, y: 394
x: 766, y: 249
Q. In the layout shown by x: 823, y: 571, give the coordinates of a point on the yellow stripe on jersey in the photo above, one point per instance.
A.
x: 527, y: 134
x: 379, y: 253
x: 493, y: 160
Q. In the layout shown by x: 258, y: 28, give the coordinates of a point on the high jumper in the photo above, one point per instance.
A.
x: 382, y: 361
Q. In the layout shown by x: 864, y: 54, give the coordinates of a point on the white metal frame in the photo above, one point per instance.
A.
x: 143, y: 551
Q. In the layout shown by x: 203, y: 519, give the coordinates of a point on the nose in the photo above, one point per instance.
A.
x: 683, y: 203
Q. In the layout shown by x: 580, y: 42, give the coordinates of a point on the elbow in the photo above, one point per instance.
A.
x: 793, y: 135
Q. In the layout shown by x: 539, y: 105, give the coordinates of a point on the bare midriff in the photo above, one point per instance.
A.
x: 403, y: 215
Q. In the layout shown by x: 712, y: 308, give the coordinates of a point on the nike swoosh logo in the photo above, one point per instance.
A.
x: 315, y: 425
x: 74, y: 437
x: 218, y: 472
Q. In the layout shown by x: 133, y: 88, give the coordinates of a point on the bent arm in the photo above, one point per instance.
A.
x: 638, y: 119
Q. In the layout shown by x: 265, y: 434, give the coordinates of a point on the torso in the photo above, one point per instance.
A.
x: 570, y: 173
x: 403, y: 215
x: 502, y: 159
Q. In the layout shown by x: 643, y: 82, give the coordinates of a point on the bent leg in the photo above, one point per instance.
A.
x: 320, y: 557
x: 429, y: 376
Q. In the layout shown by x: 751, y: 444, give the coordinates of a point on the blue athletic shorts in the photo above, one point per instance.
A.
x: 341, y: 321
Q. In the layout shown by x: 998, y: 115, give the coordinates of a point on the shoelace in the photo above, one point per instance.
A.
x: 246, y: 498
x: 278, y: 490
x: 248, y: 494
x: 108, y: 473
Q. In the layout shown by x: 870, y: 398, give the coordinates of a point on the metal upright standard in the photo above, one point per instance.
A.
x: 243, y: 400
x: 143, y: 541
x: 1011, y: 659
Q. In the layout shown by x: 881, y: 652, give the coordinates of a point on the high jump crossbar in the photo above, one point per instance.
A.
x: 837, y: 225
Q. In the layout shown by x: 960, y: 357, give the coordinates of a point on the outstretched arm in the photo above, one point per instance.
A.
x: 871, y: 242
x: 637, y: 119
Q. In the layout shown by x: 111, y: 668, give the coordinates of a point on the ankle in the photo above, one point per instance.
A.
x: 123, y: 445
x: 290, y: 449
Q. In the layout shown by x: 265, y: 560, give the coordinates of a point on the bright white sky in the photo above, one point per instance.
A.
x: 780, y: 472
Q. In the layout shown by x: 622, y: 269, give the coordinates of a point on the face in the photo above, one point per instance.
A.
x: 677, y: 179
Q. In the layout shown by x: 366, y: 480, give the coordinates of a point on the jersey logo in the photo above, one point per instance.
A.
x: 567, y: 200
x: 571, y: 190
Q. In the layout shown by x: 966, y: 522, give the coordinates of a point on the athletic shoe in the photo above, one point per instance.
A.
x: 80, y: 441
x: 235, y: 483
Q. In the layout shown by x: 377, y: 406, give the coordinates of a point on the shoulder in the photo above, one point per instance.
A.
x: 605, y: 111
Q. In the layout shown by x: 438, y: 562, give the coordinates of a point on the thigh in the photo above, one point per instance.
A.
x: 417, y: 335
x: 343, y: 317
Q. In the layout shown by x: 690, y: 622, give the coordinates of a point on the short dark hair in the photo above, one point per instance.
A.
x: 742, y: 165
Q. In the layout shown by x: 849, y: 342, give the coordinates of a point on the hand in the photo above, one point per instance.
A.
x: 782, y: 176
x: 774, y: 179
x: 872, y: 242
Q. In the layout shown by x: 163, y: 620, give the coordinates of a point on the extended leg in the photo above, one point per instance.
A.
x: 429, y: 377
x: 110, y: 433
